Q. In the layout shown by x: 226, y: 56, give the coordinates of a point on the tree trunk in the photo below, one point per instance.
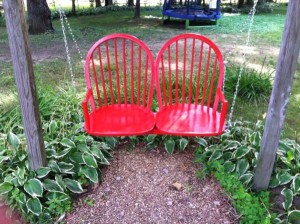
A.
x: 73, y: 7
x: 39, y: 16
x: 137, y: 11
x: 98, y: 3
x: 108, y: 2
x: 130, y: 3
x: 285, y: 71
x: 240, y: 4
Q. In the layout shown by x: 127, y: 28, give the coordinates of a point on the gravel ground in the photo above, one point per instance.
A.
x: 153, y: 187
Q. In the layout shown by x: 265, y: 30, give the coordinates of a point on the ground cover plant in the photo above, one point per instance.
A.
x: 72, y: 155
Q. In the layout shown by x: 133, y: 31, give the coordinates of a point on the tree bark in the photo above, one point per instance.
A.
x: 39, y: 16
x: 108, y: 2
x: 24, y: 76
x: 130, y: 3
x: 98, y: 3
x: 240, y: 4
x: 73, y: 7
x: 137, y: 11
x: 285, y: 71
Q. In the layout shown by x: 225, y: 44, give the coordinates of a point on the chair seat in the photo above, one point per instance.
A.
x: 188, y: 120
x: 121, y: 120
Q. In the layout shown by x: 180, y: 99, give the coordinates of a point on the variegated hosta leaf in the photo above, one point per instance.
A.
x: 229, y: 166
x: 65, y: 166
x: 76, y: 157
x: 246, y: 178
x: 54, y: 167
x: 294, y: 216
x: 80, y: 138
x: 111, y: 141
x: 255, y: 139
x: 284, y: 178
x: 242, y: 166
x: 73, y: 185
x: 170, y: 146
x: 91, y: 174
x: 82, y: 147
x: 216, y: 155
x: 3, y: 158
x: 52, y: 186
x: 242, y: 151
x: 296, y: 183
x: 183, y: 142
x: 288, y: 198
x: 274, y: 182
x: 42, y: 172
x: 60, y: 182
x: 231, y: 145
x: 150, y: 139
x: 67, y: 143
x: 202, y: 142
x: 52, y: 127
x: 34, y: 205
x: 62, y: 153
x: 89, y: 160
x: 227, y: 156
x: 34, y: 187
x: 13, y: 140
x: 5, y: 187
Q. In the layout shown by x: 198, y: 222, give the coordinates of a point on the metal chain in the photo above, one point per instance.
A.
x: 72, y: 35
x: 251, y: 16
x: 66, y: 46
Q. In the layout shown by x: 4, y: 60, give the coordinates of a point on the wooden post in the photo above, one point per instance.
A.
x: 286, y: 68
x: 24, y: 76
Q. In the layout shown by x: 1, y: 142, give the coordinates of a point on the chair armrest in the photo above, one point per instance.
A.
x: 224, y: 104
x: 88, y: 99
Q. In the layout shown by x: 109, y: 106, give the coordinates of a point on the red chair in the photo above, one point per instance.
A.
x: 119, y: 72
x: 189, y: 78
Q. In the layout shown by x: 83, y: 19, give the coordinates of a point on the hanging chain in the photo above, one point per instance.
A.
x: 66, y: 46
x: 251, y: 16
x: 72, y: 35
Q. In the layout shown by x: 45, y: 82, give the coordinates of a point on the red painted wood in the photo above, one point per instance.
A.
x: 188, y: 75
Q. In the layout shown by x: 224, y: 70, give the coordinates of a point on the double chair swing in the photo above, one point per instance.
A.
x: 131, y: 93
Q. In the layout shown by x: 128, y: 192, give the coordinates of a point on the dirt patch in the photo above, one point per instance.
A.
x: 154, y: 187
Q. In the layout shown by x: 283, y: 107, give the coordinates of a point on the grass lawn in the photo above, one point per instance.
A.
x: 51, y: 67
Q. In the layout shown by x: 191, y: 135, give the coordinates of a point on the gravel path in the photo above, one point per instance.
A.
x: 154, y: 187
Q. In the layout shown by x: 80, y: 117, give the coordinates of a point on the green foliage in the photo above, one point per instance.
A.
x: 254, y: 86
x: 73, y: 160
x: 234, y: 155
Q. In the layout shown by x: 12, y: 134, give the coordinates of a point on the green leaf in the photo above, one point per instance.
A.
x: 80, y: 138
x: 202, y: 142
x: 217, y: 154
x: 34, y: 205
x: 52, y: 127
x: 57, y: 195
x: 104, y: 161
x: 150, y: 139
x: 82, y: 147
x: 52, y: 186
x: 231, y: 145
x: 89, y: 160
x: 294, y: 216
x: 246, y: 178
x: 42, y: 172
x: 242, y: 166
x: 284, y: 178
x: 111, y: 141
x: 76, y: 157
x: 59, y: 181
x: 97, y: 152
x: 170, y: 146
x: 296, y: 183
x: 67, y: 143
x: 288, y: 198
x: 183, y: 142
x: 65, y: 167
x: 34, y: 187
x: 229, y: 166
x: 290, y: 155
x: 62, y: 153
x: 5, y: 187
x: 274, y: 182
x: 73, y: 185
x: 242, y: 151
x: 3, y: 158
x: 106, y: 154
x: 90, y: 173
x: 53, y: 165
x: 227, y: 156
x: 13, y: 140
x: 255, y: 138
